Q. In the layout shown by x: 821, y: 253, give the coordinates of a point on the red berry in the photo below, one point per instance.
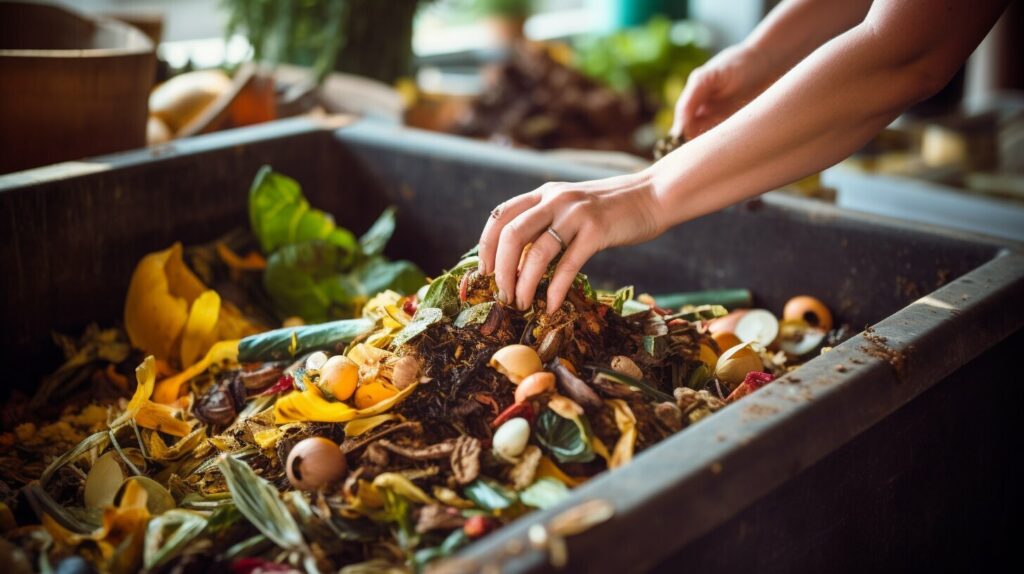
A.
x: 477, y: 525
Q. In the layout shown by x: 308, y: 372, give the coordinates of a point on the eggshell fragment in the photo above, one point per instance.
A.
x: 511, y: 438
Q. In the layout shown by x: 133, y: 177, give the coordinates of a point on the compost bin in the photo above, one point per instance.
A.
x: 894, y: 450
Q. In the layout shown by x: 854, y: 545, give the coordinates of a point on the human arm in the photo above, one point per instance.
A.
x: 738, y: 74
x: 826, y: 107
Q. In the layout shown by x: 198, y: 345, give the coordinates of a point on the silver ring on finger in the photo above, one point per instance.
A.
x: 551, y: 231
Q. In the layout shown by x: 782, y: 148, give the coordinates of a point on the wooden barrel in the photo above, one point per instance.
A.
x: 70, y: 86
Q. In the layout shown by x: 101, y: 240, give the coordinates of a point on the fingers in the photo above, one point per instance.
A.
x: 581, y: 249
x: 544, y: 249
x: 511, y: 240
x: 698, y: 91
x: 500, y: 217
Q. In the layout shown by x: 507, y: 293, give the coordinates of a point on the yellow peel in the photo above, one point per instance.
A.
x: 200, y: 328
x: 311, y: 406
x: 168, y: 390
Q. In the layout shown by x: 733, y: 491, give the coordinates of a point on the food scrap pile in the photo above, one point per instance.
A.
x: 534, y: 100
x: 379, y: 443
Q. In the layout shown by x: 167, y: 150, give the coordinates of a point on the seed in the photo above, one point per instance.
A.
x: 626, y: 366
x: 314, y: 463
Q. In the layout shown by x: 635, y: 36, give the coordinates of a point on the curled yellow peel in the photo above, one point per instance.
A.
x: 168, y: 390
x: 154, y: 316
x: 311, y: 406
x: 200, y: 328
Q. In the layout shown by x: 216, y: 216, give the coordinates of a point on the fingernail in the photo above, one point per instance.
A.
x: 523, y: 305
x: 501, y: 298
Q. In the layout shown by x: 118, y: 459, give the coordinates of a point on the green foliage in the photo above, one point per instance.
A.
x: 489, y: 495
x: 315, y: 269
x: 567, y: 440
x: 647, y: 57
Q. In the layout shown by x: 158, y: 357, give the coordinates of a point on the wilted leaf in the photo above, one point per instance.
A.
x: 424, y: 318
x: 258, y: 500
x: 475, y: 315
x: 169, y: 389
x: 169, y: 533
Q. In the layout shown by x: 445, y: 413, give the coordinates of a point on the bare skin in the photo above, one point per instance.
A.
x: 757, y: 133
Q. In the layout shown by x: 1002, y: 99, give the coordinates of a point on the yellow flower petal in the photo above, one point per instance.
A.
x: 161, y: 418
x: 154, y: 316
x: 200, y: 328
x: 311, y: 406
x: 168, y: 390
x: 626, y: 421
x: 145, y: 374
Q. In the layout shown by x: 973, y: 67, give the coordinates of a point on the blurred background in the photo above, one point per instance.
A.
x: 592, y: 80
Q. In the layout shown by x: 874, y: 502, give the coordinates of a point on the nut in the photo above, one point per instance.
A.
x: 406, y: 372
x: 314, y: 463
x: 626, y: 366
x: 516, y: 362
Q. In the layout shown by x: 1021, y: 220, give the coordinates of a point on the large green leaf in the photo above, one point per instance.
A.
x: 280, y: 215
x: 567, y: 440
x: 305, y: 279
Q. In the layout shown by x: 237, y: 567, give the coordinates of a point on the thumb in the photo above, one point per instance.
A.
x: 696, y: 93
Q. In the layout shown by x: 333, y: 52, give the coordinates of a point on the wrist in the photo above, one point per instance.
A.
x: 658, y: 185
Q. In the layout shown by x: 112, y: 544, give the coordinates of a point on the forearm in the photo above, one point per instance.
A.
x: 795, y: 28
x: 825, y: 108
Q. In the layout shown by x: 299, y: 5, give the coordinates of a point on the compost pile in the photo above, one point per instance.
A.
x: 533, y: 100
x: 384, y: 442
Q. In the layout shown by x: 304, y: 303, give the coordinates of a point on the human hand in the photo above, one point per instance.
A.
x: 587, y: 217
x: 719, y: 88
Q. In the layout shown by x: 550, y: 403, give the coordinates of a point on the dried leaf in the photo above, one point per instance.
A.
x: 169, y: 533
x: 258, y: 500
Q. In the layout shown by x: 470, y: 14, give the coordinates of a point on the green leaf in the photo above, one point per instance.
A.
x: 443, y: 294
x: 258, y: 500
x: 280, y: 215
x: 281, y: 344
x: 632, y: 307
x: 306, y: 280
x: 169, y: 533
x: 701, y: 313
x: 475, y: 315
x: 617, y: 377
x: 376, y: 238
x: 456, y: 540
x: 616, y: 299
x: 567, y: 440
x: 544, y: 493
x: 425, y: 317
x: 489, y: 495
